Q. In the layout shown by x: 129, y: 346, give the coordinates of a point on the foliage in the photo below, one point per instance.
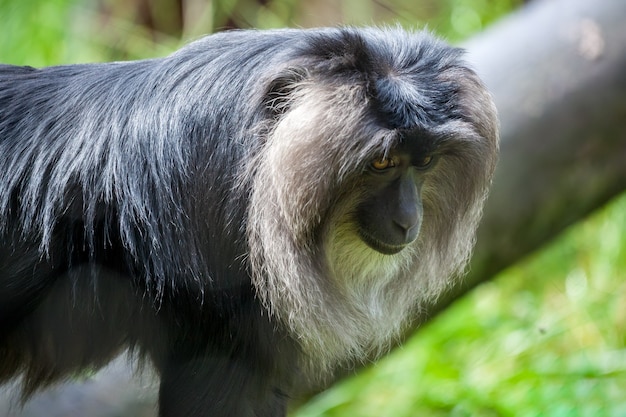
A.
x: 456, y: 19
x: 51, y: 32
x: 46, y: 32
x: 35, y: 31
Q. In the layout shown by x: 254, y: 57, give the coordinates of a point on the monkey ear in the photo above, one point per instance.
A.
x: 280, y: 90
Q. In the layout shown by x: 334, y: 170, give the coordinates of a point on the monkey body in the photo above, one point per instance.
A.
x: 250, y: 212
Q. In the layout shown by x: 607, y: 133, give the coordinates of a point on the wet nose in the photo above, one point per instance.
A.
x: 408, y: 214
x: 408, y: 224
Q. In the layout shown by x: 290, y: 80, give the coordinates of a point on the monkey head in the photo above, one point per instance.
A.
x: 368, y: 187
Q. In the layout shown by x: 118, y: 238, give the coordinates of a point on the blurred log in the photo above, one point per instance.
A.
x: 114, y: 391
x: 557, y: 70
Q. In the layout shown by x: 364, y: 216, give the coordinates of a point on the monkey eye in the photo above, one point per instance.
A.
x: 424, y: 162
x: 383, y: 163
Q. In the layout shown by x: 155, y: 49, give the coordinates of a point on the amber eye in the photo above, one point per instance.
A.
x: 383, y: 163
x: 424, y: 162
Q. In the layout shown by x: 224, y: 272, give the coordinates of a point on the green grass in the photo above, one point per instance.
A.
x: 545, y: 338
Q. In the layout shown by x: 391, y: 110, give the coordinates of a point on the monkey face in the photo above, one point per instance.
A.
x: 390, y: 218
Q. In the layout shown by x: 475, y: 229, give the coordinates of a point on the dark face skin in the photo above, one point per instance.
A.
x: 391, y: 217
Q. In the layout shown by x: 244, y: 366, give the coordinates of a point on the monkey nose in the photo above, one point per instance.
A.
x: 408, y: 226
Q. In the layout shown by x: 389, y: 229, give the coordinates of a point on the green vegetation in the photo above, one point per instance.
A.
x: 47, y: 32
x: 545, y: 338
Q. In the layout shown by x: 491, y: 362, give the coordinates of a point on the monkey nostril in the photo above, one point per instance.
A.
x: 406, y: 218
x: 408, y: 228
x: 404, y: 224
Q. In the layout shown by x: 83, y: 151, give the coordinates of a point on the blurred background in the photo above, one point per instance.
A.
x: 546, y: 336
x: 45, y: 32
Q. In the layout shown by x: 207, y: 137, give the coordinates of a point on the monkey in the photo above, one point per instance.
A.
x: 249, y: 214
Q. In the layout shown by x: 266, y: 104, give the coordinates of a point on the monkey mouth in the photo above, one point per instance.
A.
x: 379, y: 246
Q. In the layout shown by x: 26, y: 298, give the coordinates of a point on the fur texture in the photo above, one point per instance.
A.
x: 200, y: 209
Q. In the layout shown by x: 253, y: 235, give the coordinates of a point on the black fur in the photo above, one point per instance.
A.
x: 123, y: 211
